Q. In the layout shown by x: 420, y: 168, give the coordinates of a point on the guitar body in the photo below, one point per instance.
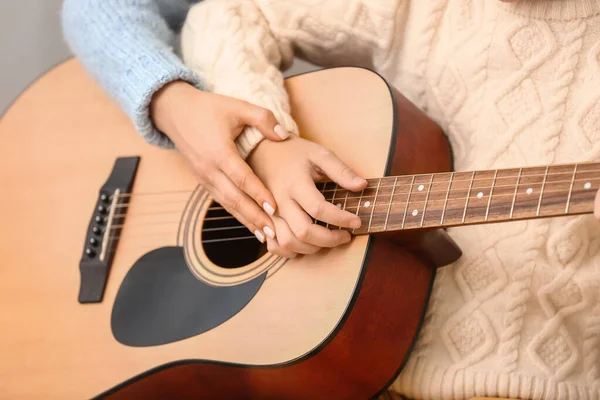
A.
x: 173, y: 320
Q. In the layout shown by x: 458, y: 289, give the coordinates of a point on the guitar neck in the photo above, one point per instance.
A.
x: 466, y: 198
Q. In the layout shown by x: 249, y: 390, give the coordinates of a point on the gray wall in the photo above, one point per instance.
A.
x: 31, y: 43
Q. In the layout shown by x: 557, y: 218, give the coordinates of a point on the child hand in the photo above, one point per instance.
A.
x: 290, y: 169
x: 203, y: 126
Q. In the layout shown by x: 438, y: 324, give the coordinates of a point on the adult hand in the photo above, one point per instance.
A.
x: 203, y: 126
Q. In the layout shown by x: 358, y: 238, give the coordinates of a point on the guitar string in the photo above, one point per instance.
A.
x: 240, y: 226
x: 150, y: 245
x: 251, y: 237
x: 445, y: 184
x: 225, y: 228
x: 393, y: 203
x: 475, y: 189
x: 129, y: 247
x: 549, y: 174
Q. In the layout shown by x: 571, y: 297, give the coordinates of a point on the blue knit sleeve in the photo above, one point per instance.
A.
x: 127, y: 46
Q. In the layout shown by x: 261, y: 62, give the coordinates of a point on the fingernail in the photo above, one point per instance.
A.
x: 355, y: 224
x: 268, y: 208
x: 359, y: 181
x: 281, y: 132
x: 259, y: 236
x: 269, y: 232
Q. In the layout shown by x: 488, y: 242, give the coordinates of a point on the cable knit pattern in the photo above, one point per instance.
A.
x: 588, y: 113
x: 426, y: 331
x: 262, y: 86
x: 431, y: 26
x: 591, y: 346
x: 462, y: 141
x: 512, y: 85
x: 516, y: 309
x: 569, y: 58
x: 251, y: 69
x: 553, y: 349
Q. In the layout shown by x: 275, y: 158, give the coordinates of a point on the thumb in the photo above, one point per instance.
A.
x: 264, y: 120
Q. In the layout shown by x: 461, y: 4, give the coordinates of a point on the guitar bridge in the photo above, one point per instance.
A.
x: 104, y: 228
x: 110, y: 225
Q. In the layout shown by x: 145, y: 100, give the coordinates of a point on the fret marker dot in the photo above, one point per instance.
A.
x: 479, y: 195
x: 421, y: 187
x: 339, y: 205
x: 415, y: 213
x: 367, y: 204
x: 587, y: 185
x: 529, y: 191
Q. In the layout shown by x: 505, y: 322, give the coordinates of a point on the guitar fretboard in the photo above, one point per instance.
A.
x: 466, y: 198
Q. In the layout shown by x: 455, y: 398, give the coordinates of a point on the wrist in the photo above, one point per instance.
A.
x: 166, y: 104
x: 260, y: 151
x: 268, y: 149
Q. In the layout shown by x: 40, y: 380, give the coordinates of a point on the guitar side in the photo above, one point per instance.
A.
x: 351, y: 351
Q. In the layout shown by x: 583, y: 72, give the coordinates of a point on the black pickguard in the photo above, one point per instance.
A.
x: 160, y: 301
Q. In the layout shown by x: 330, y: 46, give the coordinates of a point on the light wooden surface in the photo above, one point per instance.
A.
x: 59, y: 142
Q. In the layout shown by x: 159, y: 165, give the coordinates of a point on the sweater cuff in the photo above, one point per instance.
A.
x: 251, y: 137
x: 146, y: 75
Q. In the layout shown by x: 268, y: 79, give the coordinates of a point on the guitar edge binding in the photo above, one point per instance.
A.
x: 104, y: 228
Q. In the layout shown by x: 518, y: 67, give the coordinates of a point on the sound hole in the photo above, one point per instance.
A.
x: 228, y: 243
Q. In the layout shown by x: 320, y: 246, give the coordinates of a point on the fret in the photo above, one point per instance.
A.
x: 416, y: 204
x: 537, y: 213
x: 426, y: 199
x: 525, y: 202
x: 325, y: 192
x: 583, y: 193
x: 571, y: 189
x: 556, y: 190
x: 408, y: 201
x: 382, y: 204
x: 387, y: 218
x: 363, y: 206
x: 467, y: 199
x: 396, y: 211
x: 346, y: 199
x: 504, y: 190
x: 433, y: 206
x: 350, y: 203
x: 343, y: 207
x: 459, y: 198
x: 446, y: 199
x: 374, y: 204
x: 358, y: 206
x: 333, y: 199
x: 366, y: 205
x: 487, y: 211
x: 455, y: 206
x: 512, y: 207
x: 478, y: 200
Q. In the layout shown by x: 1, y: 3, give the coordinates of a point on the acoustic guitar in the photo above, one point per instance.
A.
x: 122, y: 279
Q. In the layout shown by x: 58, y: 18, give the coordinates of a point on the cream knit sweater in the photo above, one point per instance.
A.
x: 512, y: 85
